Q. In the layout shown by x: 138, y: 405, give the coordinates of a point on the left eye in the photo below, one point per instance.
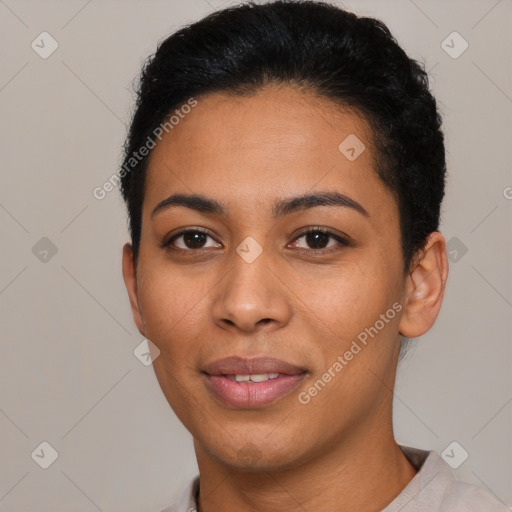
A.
x: 318, y: 238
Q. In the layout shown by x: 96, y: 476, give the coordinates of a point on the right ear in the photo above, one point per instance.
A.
x: 130, y: 281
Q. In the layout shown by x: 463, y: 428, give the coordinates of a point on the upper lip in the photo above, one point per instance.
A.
x: 248, y: 366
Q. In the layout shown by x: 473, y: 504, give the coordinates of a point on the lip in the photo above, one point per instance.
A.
x: 252, y: 395
x: 243, y: 366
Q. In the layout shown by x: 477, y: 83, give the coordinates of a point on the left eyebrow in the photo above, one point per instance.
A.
x: 303, y: 202
x: 281, y: 208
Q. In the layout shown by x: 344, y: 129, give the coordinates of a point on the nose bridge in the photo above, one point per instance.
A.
x: 250, y: 292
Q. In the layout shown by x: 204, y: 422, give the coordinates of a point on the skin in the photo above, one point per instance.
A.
x: 338, y: 452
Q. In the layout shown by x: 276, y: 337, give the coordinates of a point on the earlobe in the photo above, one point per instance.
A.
x: 130, y: 281
x: 424, y: 288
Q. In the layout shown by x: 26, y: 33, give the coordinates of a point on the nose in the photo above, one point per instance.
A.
x: 251, y: 295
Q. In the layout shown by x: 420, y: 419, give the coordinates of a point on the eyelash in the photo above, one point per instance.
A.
x: 343, y: 242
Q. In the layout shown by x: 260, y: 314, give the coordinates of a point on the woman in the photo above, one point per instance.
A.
x: 284, y: 173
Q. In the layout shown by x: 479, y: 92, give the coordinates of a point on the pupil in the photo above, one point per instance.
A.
x: 312, y: 239
x: 194, y: 239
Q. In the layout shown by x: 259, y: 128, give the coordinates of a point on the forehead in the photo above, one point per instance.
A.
x: 250, y: 149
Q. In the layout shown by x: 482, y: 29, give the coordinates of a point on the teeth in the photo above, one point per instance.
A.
x: 256, y: 377
x: 259, y: 377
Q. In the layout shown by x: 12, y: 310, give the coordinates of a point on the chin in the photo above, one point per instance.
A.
x: 251, y: 454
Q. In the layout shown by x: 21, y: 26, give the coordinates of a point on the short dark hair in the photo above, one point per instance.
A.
x: 352, y: 60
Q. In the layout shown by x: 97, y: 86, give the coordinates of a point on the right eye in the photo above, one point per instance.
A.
x: 192, y: 240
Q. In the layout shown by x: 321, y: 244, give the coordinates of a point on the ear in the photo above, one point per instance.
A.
x: 130, y: 281
x: 424, y: 287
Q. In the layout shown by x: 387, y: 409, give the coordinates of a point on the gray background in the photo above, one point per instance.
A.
x: 68, y: 374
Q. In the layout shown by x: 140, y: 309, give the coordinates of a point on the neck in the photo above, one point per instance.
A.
x: 357, y: 474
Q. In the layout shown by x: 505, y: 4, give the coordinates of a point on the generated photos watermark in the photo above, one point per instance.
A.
x: 101, y: 192
x: 304, y: 397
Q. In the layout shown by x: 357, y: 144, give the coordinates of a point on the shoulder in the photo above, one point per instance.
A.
x: 463, y: 497
x: 435, y: 489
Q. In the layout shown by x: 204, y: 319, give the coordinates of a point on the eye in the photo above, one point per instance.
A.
x: 191, y: 240
x: 318, y: 238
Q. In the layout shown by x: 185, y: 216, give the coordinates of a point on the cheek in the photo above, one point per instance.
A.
x: 173, y: 307
x: 356, y: 357
x: 350, y: 297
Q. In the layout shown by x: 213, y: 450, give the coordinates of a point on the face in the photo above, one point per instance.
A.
x: 245, y: 277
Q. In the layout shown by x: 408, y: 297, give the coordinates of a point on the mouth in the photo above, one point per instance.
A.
x: 252, y: 383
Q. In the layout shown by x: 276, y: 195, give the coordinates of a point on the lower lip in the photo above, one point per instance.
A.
x: 251, y: 395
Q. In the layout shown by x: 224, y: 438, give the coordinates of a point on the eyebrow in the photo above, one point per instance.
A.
x: 281, y: 208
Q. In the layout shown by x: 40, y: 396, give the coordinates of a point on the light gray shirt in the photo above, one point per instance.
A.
x: 433, y: 489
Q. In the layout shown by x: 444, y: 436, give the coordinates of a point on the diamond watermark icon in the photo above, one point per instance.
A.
x: 250, y: 454
x: 352, y: 147
x: 454, y: 455
x: 45, y: 455
x: 454, y: 45
x: 44, y: 250
x: 456, y: 249
x: 249, y: 249
x: 44, y: 45
x: 146, y: 352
